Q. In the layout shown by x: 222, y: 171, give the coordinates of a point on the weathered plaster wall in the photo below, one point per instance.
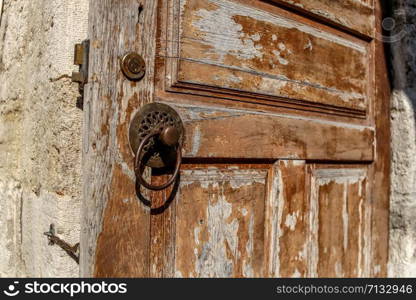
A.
x: 403, y: 188
x: 40, y: 126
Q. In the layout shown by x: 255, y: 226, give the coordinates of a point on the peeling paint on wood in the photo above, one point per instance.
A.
x: 269, y: 55
x: 293, y: 219
x: 341, y: 222
x: 220, y: 223
x: 356, y: 15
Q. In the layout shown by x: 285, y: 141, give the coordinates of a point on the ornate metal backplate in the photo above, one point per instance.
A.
x: 154, y: 116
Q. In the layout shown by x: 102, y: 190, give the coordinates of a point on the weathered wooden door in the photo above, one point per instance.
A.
x: 286, y: 156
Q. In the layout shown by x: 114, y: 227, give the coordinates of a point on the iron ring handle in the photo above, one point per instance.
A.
x: 138, y: 165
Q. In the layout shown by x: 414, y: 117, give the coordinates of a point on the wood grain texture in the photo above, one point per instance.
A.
x: 162, y: 229
x: 220, y: 222
x: 293, y: 218
x: 225, y: 133
x: 340, y: 222
x: 240, y: 49
x: 115, y: 224
x: 381, y: 167
x: 354, y: 15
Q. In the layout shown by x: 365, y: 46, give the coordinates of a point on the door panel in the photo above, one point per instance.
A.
x: 292, y: 237
x: 261, y: 51
x: 340, y: 221
x: 220, y: 221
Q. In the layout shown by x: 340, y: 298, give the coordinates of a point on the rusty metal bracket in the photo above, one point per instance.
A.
x: 72, y: 251
x: 81, y: 57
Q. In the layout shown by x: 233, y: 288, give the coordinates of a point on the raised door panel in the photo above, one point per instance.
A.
x: 220, y: 222
x: 340, y: 221
x: 260, y: 52
x: 323, y: 214
x: 217, y: 225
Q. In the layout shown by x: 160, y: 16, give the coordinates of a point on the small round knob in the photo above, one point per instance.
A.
x: 133, y: 66
x: 169, y: 136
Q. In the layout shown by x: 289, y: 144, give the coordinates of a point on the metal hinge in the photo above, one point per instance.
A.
x: 81, y: 54
x: 72, y: 251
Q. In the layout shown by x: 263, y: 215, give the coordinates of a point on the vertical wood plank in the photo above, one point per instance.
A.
x: 381, y: 167
x: 115, y: 224
x: 162, y: 229
x: 287, y: 220
x: 294, y: 221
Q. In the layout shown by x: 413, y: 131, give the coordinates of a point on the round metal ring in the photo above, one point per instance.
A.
x: 138, y: 165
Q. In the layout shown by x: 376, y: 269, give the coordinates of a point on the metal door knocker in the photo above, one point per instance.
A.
x: 156, y: 135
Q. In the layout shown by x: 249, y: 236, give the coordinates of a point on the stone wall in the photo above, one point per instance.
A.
x: 40, y: 140
x: 403, y: 186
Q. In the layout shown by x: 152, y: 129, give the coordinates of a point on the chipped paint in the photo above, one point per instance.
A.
x: 281, y: 60
x: 279, y: 187
x: 355, y: 14
x: 222, y: 223
x: 237, y: 44
x: 272, y: 229
x: 236, y: 178
x: 345, y: 218
x: 209, y: 22
x: 196, y: 140
x: 339, y: 176
x: 291, y: 220
x: 235, y: 47
x: 352, y: 142
x: 212, y: 260
x: 296, y: 274
x: 293, y: 210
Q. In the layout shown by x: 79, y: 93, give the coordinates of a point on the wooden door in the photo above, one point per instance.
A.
x: 285, y: 167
